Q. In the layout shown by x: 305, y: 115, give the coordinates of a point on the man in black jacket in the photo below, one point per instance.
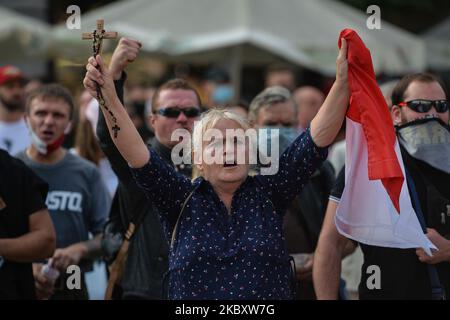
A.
x: 174, y: 105
x: 421, y: 115
x: 275, y: 108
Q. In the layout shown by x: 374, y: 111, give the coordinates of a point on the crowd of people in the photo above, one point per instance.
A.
x: 202, y: 230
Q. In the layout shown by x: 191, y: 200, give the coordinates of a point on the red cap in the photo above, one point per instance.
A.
x: 9, y: 73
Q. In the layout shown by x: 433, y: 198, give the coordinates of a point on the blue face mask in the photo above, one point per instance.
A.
x: 223, y: 93
x: 284, y: 136
x: 287, y: 136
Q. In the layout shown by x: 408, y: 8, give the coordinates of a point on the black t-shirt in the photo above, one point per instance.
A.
x: 22, y: 193
x: 403, y: 276
x: 339, y: 184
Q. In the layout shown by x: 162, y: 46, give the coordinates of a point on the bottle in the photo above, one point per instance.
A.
x: 49, y: 272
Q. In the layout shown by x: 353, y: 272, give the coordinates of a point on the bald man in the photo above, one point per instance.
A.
x: 308, y: 100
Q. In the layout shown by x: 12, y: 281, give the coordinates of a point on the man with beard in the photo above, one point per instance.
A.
x: 14, y: 136
x: 420, y: 113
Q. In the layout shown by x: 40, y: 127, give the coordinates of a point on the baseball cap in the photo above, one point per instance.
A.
x: 9, y: 73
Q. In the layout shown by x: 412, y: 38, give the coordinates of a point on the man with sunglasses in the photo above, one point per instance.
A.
x: 423, y: 96
x: 175, y: 105
x: 420, y: 114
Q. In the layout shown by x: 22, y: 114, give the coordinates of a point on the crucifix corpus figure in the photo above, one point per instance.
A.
x: 97, y: 37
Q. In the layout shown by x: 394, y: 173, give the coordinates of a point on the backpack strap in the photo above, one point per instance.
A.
x: 175, y: 228
x: 172, y: 242
x: 437, y: 290
x: 117, y: 267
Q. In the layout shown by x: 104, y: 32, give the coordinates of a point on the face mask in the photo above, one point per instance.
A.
x: 287, y: 136
x: 223, y: 93
x: 281, y: 135
x: 427, y: 140
x: 41, y: 146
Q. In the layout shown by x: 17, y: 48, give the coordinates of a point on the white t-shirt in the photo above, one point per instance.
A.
x: 336, y: 156
x: 108, y: 176
x: 14, y: 136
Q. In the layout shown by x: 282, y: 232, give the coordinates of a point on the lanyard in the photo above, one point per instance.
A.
x: 437, y: 291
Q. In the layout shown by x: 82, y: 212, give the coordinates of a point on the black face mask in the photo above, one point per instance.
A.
x: 427, y: 140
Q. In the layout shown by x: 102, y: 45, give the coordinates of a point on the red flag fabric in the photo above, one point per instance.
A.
x: 375, y: 207
x: 368, y: 107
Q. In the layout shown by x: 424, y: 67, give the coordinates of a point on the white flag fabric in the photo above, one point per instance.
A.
x: 365, y: 212
x: 375, y: 207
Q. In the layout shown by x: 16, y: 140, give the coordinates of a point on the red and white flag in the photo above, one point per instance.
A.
x: 375, y: 207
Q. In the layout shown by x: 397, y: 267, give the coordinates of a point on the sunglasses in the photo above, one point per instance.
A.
x: 423, y: 106
x: 174, y: 112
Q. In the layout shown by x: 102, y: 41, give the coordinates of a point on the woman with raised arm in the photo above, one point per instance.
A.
x: 227, y: 238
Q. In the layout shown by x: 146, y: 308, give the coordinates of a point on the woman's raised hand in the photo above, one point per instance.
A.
x: 342, y: 63
x: 101, y: 76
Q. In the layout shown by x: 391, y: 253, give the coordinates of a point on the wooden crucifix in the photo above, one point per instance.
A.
x: 97, y: 37
x: 100, y: 33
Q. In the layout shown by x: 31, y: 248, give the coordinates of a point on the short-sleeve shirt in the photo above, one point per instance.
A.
x: 22, y: 193
x: 241, y: 255
x: 338, y: 188
x: 78, y: 200
x: 14, y: 136
x: 403, y: 276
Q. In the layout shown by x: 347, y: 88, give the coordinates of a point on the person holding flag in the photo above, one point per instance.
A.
x: 225, y: 226
x: 396, y: 186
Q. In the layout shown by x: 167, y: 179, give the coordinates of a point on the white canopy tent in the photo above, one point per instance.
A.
x: 245, y: 32
x: 119, y: 16
x: 22, y: 36
x: 437, y: 40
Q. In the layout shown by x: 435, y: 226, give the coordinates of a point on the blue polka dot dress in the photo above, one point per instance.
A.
x: 217, y: 255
